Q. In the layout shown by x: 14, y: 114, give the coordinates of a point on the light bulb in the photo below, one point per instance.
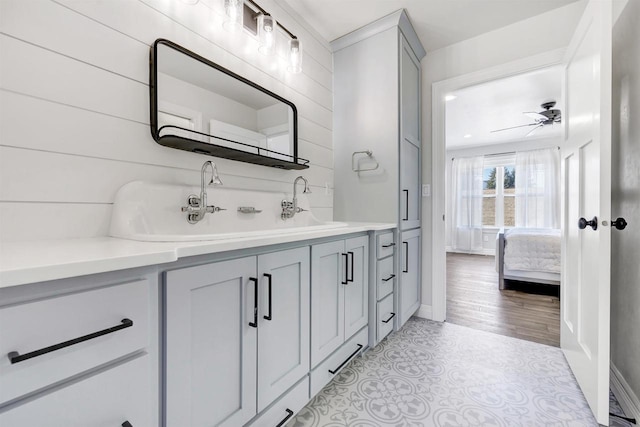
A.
x: 233, y: 10
x: 266, y: 34
x: 295, y: 56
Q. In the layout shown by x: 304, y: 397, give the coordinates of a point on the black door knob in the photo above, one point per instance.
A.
x: 583, y: 223
x: 619, y: 224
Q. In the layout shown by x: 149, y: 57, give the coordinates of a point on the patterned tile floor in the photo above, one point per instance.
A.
x: 440, y: 374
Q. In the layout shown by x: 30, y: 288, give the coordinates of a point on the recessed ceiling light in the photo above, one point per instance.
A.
x: 450, y: 97
x: 468, y: 135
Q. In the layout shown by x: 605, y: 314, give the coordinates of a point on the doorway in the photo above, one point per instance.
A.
x: 503, y: 205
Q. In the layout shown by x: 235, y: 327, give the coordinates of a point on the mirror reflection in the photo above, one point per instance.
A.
x: 205, y: 108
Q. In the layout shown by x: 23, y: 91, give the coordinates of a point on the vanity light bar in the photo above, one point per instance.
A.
x: 264, y: 12
x: 250, y: 15
x: 267, y: 39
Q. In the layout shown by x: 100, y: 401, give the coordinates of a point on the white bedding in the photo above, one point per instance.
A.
x: 532, y: 249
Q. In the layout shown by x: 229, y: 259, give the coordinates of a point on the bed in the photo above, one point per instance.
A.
x: 528, y: 255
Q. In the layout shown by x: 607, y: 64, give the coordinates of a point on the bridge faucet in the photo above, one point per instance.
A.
x: 197, y: 207
x: 289, y: 209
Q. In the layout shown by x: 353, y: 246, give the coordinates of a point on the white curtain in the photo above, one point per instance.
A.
x: 537, y: 188
x: 466, y: 192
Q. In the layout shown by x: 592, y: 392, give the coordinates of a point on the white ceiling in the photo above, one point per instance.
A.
x: 477, y: 110
x: 438, y: 23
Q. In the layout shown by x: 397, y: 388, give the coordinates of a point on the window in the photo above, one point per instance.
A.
x: 499, y: 188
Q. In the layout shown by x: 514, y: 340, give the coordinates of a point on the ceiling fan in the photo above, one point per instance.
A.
x: 547, y: 117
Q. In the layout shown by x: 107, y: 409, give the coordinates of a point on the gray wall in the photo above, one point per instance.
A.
x: 625, y: 246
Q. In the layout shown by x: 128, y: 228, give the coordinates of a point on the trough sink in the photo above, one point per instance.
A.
x: 150, y: 212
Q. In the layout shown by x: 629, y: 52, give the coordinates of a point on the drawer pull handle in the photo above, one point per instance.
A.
x: 269, y: 282
x: 346, y: 361
x: 351, y: 279
x: 390, y: 317
x: 406, y: 212
x: 126, y: 424
x: 389, y: 245
x: 406, y: 257
x: 346, y: 269
x: 254, y: 324
x: 285, y: 419
x: 389, y: 278
x: 16, y: 357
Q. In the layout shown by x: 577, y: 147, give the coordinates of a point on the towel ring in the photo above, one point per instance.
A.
x: 369, y: 154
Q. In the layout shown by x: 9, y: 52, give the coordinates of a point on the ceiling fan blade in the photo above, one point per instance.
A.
x: 515, y: 127
x: 533, y: 130
x: 535, y: 116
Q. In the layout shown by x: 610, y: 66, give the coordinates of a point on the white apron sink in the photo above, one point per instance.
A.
x: 151, y: 212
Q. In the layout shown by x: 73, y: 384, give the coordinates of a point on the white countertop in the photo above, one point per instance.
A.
x: 38, y: 261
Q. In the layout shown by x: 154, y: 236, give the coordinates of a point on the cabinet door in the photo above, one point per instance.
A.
x: 328, y: 278
x: 410, y: 93
x: 409, y: 185
x: 356, y: 291
x: 210, y: 347
x: 410, y: 279
x: 283, y: 325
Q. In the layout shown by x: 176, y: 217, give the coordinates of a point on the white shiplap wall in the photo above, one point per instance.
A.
x: 74, y: 108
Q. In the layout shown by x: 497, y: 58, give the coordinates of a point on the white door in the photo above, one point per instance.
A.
x: 283, y: 322
x: 409, y: 295
x: 356, y: 291
x: 586, y: 174
x: 329, y: 277
x: 211, y: 348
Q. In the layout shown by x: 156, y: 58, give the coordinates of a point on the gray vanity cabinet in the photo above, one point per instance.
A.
x: 339, y: 295
x: 237, y: 336
x: 409, y: 137
x: 378, y: 109
x: 409, y: 298
x: 410, y: 185
x: 211, y: 348
x: 283, y: 322
x: 356, y: 310
x: 80, y: 351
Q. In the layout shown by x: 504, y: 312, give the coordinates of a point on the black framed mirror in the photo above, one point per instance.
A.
x: 199, y: 106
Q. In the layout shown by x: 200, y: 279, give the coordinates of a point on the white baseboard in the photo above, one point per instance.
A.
x: 425, y: 312
x: 626, y: 397
x: 491, y: 252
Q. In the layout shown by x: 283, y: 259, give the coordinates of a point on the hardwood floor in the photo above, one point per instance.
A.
x: 474, y: 300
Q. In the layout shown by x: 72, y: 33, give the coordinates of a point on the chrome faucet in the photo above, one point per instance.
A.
x: 197, y: 208
x: 289, y: 209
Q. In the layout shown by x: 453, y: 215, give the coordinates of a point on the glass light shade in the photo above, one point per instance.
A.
x: 295, y: 56
x: 233, y: 10
x: 266, y: 34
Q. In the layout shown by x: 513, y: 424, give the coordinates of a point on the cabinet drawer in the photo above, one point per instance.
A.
x: 42, y: 324
x: 328, y: 369
x: 385, y: 317
x: 385, y: 245
x: 107, y: 399
x: 281, y: 412
x: 385, y: 277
